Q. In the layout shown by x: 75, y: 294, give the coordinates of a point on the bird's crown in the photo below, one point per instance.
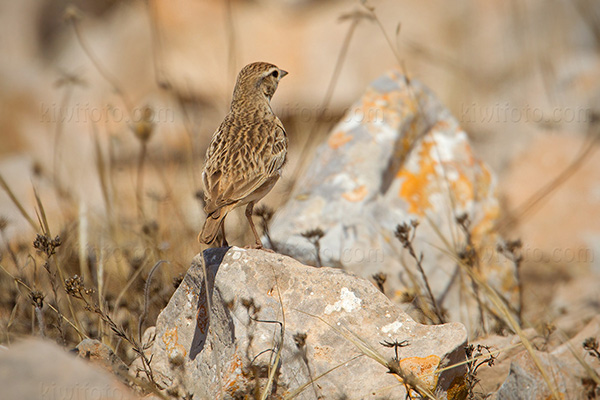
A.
x: 257, y: 80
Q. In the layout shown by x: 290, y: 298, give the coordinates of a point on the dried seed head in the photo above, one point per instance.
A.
x: 313, y: 234
x: 46, y: 245
x: 402, y: 232
x: 264, y: 212
x: 37, y: 298
x: 74, y: 287
x: 380, y: 279
x: 150, y: 228
x: 177, y: 280
x: 590, y: 343
x: 144, y: 128
x: 300, y: 339
x: 247, y: 303
x: 463, y: 219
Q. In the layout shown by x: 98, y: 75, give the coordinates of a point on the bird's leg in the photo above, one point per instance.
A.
x: 223, y: 239
x: 249, y: 208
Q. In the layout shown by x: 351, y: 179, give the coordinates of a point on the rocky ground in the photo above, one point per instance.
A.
x: 436, y: 229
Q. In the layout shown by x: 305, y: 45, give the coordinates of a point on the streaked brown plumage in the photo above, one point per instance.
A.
x: 246, y: 153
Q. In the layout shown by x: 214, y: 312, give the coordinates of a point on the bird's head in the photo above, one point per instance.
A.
x: 258, y: 78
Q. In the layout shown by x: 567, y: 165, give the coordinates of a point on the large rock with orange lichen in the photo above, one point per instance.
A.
x: 398, y: 155
x: 318, y: 318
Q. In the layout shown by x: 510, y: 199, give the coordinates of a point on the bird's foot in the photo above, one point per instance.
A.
x: 259, y: 247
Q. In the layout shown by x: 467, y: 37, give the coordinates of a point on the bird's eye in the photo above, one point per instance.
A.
x: 275, y: 74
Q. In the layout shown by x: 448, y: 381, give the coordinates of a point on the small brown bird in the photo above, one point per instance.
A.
x: 246, y: 153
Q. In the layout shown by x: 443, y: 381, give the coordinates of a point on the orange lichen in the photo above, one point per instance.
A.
x: 418, y: 185
x: 323, y: 353
x: 422, y: 367
x: 171, y: 341
x: 414, y: 189
x: 233, y: 381
x: 357, y: 194
x: 461, y: 189
x: 338, y: 139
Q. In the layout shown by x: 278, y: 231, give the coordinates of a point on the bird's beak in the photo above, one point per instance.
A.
x: 282, y: 73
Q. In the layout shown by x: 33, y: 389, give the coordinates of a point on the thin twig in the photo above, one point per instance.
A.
x: 142, y: 318
x: 406, y: 235
x: 73, y: 15
x: 355, y: 17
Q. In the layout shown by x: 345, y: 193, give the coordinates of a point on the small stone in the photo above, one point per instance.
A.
x: 100, y: 354
x: 563, y: 366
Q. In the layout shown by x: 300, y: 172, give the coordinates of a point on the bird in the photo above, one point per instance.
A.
x: 246, y: 154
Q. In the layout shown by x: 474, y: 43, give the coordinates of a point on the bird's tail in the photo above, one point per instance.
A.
x: 212, y: 226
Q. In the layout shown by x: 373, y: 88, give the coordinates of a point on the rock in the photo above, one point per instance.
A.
x: 506, y: 348
x: 34, y: 369
x: 564, y: 367
x: 262, y: 302
x: 398, y: 155
x: 526, y: 382
x: 100, y: 354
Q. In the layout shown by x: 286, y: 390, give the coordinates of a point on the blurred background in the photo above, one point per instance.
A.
x: 107, y: 106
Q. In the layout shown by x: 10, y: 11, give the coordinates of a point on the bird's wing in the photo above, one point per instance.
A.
x: 241, y: 159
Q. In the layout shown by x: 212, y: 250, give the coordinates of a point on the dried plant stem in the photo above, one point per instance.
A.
x: 470, y: 257
x: 10, y: 251
x: 406, y: 234
x: 60, y: 315
x: 274, y: 367
x: 75, y: 288
x: 17, y: 203
x: 231, y: 41
x: 512, y: 251
x: 100, y: 275
x: 73, y: 15
x: 371, y: 10
x: 37, y: 300
x: 142, y: 318
x: 419, y: 261
x: 302, y: 388
x: 39, y: 316
x: 355, y: 18
x: 103, y: 178
x: 83, y: 241
x: 505, y: 312
x: 53, y: 285
x: 527, y: 207
x: 43, y: 222
x: 125, y: 289
x: 314, y: 236
x: 139, y: 191
x: 156, y: 45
